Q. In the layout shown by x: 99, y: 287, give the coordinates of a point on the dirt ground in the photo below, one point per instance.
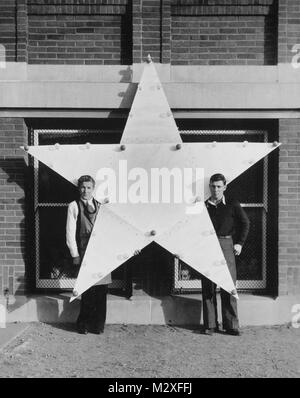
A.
x: 56, y: 350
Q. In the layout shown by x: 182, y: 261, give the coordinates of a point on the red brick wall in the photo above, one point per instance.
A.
x: 151, y: 36
x: 289, y: 167
x: 8, y: 29
x: 79, y: 33
x: 151, y: 21
x: 234, y: 34
x: 13, y: 30
x: 289, y: 207
x: 288, y: 29
x: 22, y: 31
x: 177, y: 31
x: 12, y: 229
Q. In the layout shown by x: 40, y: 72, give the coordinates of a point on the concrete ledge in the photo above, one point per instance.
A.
x: 175, y: 310
x: 187, y: 87
x: 186, y: 95
x: 21, y: 71
x: 177, y: 113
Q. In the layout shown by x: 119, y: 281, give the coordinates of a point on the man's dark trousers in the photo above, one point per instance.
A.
x: 93, y: 308
x: 228, y: 302
x: 93, y: 301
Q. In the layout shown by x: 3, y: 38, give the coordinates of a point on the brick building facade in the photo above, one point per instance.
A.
x: 225, y: 65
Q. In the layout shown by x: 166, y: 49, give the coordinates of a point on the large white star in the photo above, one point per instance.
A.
x: 136, y: 214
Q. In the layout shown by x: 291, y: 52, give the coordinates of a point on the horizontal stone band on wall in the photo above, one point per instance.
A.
x: 78, y: 2
x: 221, y: 10
x: 76, y: 10
x: 222, y: 2
x: 87, y: 8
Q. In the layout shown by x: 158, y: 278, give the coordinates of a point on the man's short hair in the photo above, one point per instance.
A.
x: 217, y: 177
x: 86, y: 178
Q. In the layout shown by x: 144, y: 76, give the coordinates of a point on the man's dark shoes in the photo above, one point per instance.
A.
x: 82, y: 329
x: 209, y: 332
x: 97, y: 330
x: 233, y: 332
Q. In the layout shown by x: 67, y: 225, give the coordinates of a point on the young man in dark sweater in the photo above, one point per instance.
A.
x: 230, y: 221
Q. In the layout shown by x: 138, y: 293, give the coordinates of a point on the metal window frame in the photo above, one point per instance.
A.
x: 60, y: 283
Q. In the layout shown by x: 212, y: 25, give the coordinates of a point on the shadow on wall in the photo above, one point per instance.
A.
x: 128, y: 95
x: 270, y: 36
x: 176, y: 311
x: 50, y: 312
x: 126, y: 75
x: 182, y: 311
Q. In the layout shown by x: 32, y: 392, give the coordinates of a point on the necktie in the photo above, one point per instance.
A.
x: 90, y: 208
x: 89, y: 211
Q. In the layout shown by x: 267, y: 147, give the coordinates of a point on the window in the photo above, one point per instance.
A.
x: 52, y: 193
x: 251, y: 190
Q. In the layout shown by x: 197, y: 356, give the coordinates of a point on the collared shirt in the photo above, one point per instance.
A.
x: 223, y: 200
x: 89, y: 202
x: 229, y: 218
x: 72, y: 224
